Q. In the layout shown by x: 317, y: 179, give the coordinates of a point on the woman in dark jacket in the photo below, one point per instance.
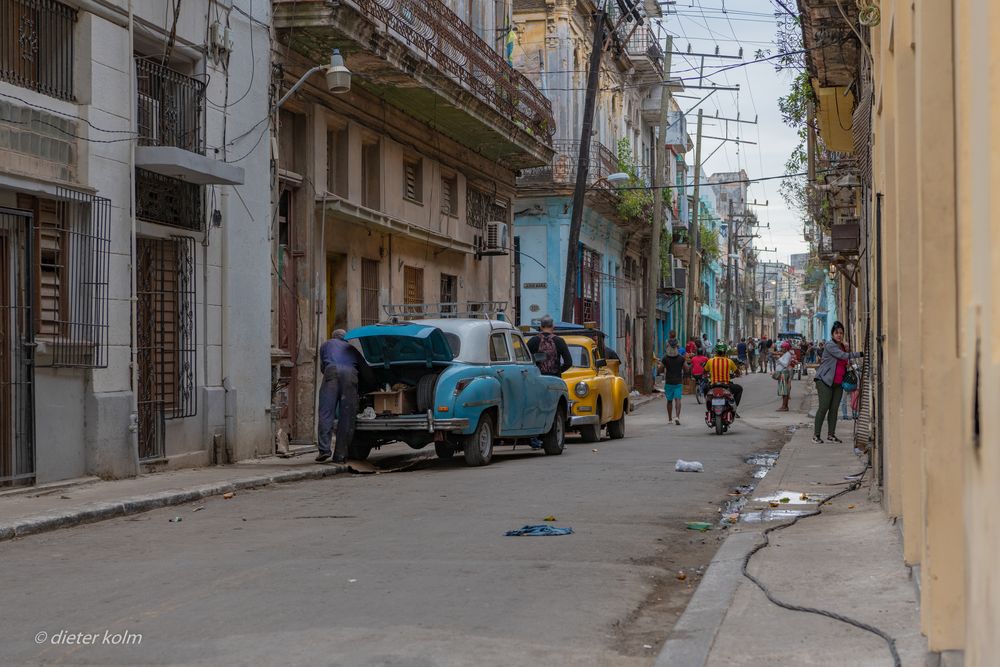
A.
x: 829, y: 376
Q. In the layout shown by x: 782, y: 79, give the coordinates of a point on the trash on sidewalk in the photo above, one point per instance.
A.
x: 550, y: 518
x: 688, y: 466
x: 594, y: 450
x: 228, y: 495
x: 681, y: 576
x: 698, y: 525
x: 198, y: 508
x: 538, y: 530
x: 176, y: 519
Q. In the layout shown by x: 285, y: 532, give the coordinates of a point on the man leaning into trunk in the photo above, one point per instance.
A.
x: 340, y: 363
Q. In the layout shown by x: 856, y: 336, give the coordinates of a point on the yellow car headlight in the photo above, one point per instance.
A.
x: 581, y: 389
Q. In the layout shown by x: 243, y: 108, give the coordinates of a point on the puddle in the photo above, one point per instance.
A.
x: 788, y: 498
x: 730, y: 511
x: 771, y: 515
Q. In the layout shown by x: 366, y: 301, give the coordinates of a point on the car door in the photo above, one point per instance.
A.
x: 511, y: 384
x: 604, y: 380
x: 536, y: 398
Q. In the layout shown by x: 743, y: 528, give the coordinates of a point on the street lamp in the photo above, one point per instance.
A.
x: 618, y: 178
x: 338, y: 78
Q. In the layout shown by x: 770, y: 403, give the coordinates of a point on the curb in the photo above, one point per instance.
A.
x: 694, y: 633
x: 102, y: 511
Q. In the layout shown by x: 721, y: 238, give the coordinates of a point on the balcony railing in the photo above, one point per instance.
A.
x: 562, y: 170
x: 169, y: 201
x: 643, y: 44
x: 36, y: 46
x: 430, y: 27
x: 170, y: 107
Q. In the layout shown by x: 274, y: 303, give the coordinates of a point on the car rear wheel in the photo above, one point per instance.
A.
x: 444, y: 450
x: 616, y: 429
x: 478, y: 447
x: 592, y: 432
x: 359, y: 449
x: 554, y: 441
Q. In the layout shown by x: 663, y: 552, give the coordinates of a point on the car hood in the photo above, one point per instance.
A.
x: 389, y: 344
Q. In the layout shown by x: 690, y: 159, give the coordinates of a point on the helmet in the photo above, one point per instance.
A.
x: 721, y: 348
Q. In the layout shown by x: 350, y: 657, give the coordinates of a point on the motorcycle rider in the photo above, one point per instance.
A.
x: 719, y: 369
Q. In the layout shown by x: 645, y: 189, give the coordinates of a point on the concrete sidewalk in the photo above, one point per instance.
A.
x: 60, y: 505
x: 847, y: 560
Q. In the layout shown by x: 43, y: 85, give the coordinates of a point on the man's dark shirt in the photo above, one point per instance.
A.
x: 741, y: 350
x: 340, y: 353
x: 562, y: 349
x: 673, y: 369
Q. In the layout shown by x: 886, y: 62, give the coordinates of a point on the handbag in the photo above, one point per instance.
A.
x: 850, y: 381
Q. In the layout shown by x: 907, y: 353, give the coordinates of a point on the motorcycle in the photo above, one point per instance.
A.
x: 720, y: 408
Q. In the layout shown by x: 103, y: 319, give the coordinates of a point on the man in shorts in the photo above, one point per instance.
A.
x: 673, y: 377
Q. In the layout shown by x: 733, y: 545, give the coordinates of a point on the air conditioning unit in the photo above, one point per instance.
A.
x: 680, y: 274
x: 497, y: 239
x: 149, y: 120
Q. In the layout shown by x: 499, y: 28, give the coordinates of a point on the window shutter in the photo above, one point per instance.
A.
x: 445, y: 196
x: 410, y: 174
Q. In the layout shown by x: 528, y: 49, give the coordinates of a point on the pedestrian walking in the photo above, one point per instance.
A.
x: 557, y: 357
x: 692, y: 346
x: 340, y: 364
x: 741, y: 353
x: 762, y: 353
x: 752, y: 354
x: 674, y: 364
x: 829, y: 379
x: 783, y: 374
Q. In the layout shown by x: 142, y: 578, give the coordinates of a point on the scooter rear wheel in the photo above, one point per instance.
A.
x: 719, y: 427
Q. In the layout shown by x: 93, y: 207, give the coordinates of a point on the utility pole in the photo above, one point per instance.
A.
x: 654, y: 271
x: 694, y: 237
x: 582, y: 168
x: 730, y: 235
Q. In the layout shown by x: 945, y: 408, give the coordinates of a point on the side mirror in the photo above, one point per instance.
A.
x: 600, y: 363
x: 539, y: 357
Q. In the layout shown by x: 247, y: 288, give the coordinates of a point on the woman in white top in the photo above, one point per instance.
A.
x: 783, y: 374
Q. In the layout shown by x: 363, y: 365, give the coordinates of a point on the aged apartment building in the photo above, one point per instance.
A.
x: 905, y: 219
x: 132, y: 224
x: 400, y: 191
x: 553, y: 48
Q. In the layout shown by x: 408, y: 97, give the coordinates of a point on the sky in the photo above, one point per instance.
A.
x: 728, y: 25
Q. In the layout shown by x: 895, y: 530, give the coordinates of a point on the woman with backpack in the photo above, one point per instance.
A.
x: 829, y: 383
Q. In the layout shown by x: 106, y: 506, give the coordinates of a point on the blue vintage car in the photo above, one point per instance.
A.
x: 470, y: 384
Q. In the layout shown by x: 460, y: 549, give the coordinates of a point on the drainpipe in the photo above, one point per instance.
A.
x: 319, y: 292
x: 133, y: 425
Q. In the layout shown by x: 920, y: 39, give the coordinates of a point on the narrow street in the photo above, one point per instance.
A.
x: 410, y: 568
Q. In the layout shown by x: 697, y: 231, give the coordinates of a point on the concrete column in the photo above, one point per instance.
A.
x: 977, y: 116
x: 885, y: 175
x: 943, y: 559
x: 907, y: 340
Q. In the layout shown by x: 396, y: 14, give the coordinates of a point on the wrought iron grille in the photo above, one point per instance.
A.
x: 36, y: 46
x: 482, y: 207
x: 589, y: 304
x: 17, y: 392
x: 565, y: 162
x: 170, y: 107
x: 431, y: 28
x: 166, y: 343
x: 369, y: 291
x: 71, y: 294
x: 169, y: 201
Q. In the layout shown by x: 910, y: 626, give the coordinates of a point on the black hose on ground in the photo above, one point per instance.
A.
x: 812, y: 610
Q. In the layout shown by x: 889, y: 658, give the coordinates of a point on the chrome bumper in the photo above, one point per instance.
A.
x: 584, y: 420
x: 411, y: 423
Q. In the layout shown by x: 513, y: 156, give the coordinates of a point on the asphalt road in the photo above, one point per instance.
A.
x: 408, y: 568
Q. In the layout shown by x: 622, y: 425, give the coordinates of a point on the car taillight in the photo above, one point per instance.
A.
x: 461, y: 385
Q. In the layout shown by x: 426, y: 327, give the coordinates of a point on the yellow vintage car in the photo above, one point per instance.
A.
x: 599, y: 396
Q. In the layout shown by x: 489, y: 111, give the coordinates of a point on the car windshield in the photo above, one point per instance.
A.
x: 580, y: 355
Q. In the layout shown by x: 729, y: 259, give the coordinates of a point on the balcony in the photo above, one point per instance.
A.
x: 561, y: 171
x: 171, y: 136
x: 646, y: 54
x: 845, y: 237
x: 37, y: 51
x: 422, y: 58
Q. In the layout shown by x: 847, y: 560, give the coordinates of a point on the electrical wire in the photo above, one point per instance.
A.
x: 813, y: 610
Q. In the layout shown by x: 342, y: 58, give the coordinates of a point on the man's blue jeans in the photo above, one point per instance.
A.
x: 338, y: 393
